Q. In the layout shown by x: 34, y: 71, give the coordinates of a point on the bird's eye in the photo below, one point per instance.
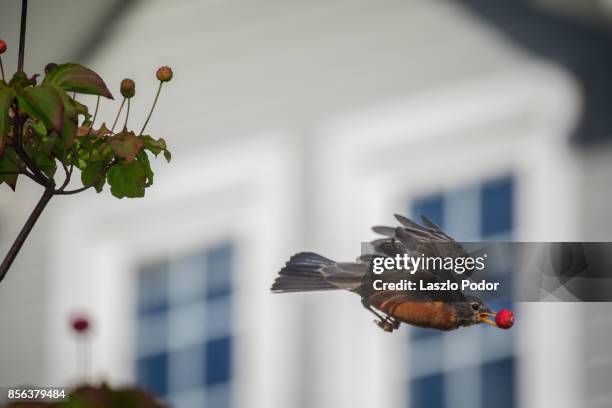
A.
x: 475, y: 306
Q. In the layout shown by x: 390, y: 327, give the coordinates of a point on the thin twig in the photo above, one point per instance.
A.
x: 152, y: 108
x: 69, y: 192
x: 30, y: 175
x: 2, y: 69
x: 93, y: 120
x: 22, y: 34
x: 25, y: 231
x: 81, y: 189
x: 118, y: 113
x: 29, y: 163
x: 127, y: 114
x: 68, y: 172
x: 38, y: 175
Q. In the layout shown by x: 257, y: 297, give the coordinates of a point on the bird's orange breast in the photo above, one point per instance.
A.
x: 438, y: 315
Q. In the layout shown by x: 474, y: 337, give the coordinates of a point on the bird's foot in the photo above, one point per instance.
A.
x: 396, y: 324
x: 388, y: 324
x: 385, y: 325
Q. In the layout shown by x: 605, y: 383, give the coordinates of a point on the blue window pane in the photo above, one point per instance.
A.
x: 153, y: 288
x: 431, y: 206
x: 496, y: 206
x: 187, y: 373
x: 498, y: 384
x: 218, y: 317
x: 218, y: 360
x: 219, y: 396
x: 427, y: 392
x: 218, y: 271
x: 187, y: 282
x: 153, y: 373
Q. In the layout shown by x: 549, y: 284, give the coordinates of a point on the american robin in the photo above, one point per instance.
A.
x: 443, y: 310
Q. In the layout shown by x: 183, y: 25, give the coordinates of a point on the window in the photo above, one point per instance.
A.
x: 468, y: 367
x: 184, y: 328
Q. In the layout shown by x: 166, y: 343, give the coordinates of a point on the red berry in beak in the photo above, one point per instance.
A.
x: 80, y: 325
x: 504, y: 319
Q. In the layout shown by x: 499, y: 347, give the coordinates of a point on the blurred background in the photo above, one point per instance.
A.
x: 296, y: 126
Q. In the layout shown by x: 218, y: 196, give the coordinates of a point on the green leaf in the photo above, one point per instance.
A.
x: 77, y: 78
x: 7, y: 165
x: 126, y: 145
x: 43, y: 103
x: 93, y: 173
x: 38, y: 128
x: 156, y: 146
x: 44, y: 162
x: 7, y: 95
x: 143, y: 159
x: 127, y: 180
x: 81, y: 110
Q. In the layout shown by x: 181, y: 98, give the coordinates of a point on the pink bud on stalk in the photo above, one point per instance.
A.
x: 80, y: 325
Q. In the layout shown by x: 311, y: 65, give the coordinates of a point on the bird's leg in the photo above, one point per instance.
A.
x: 387, y: 323
x: 390, y: 323
x: 381, y: 322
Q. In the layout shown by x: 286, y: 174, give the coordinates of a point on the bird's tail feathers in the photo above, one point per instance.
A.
x: 302, y: 273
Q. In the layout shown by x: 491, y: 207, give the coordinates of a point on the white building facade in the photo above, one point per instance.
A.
x: 297, y: 127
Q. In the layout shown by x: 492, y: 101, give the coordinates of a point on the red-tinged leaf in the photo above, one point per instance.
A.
x: 70, y: 121
x: 77, y: 78
x: 43, y: 103
x: 103, y: 131
x: 83, y: 131
x: 7, y: 95
x: 126, y: 145
x: 87, y: 130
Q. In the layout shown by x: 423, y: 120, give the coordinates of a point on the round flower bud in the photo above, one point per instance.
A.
x: 164, y: 74
x: 128, y: 88
x: 2, y: 46
x: 80, y: 324
x: 49, y: 67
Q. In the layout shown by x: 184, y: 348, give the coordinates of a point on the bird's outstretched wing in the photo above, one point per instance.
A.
x: 414, y: 239
x: 427, y: 240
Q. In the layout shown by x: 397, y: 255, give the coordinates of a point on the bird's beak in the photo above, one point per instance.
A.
x: 484, y: 318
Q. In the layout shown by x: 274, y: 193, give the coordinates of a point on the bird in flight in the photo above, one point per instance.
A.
x: 446, y: 310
